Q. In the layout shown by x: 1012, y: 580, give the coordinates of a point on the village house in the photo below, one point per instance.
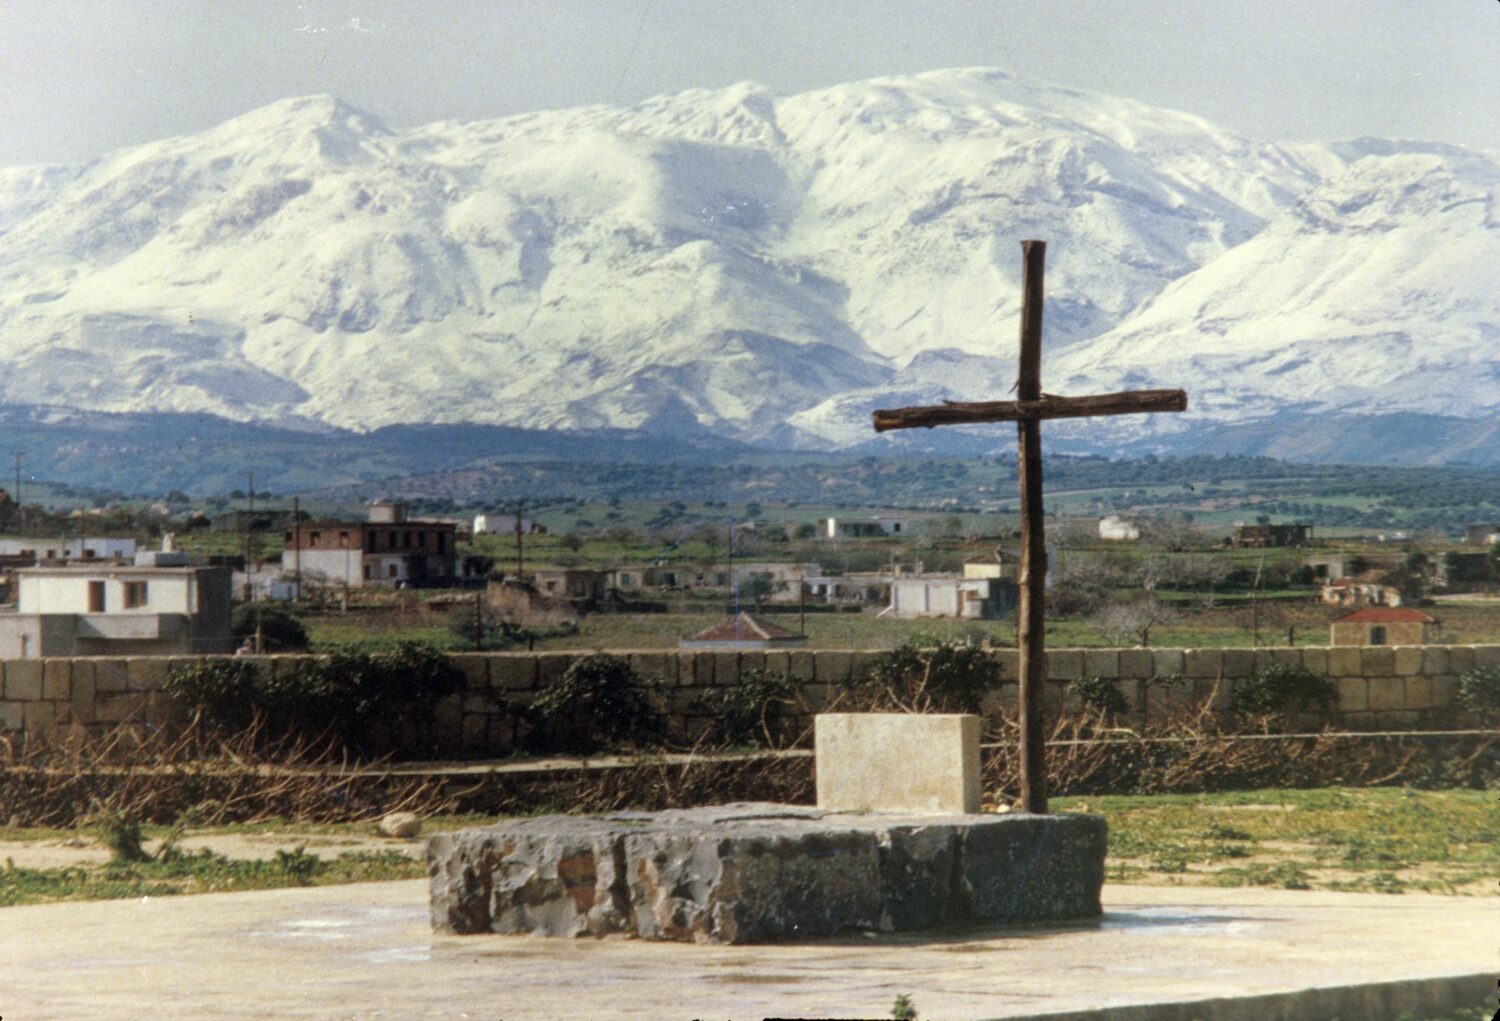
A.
x: 863, y: 528
x: 505, y: 524
x: 1270, y: 536
x: 786, y: 579
x: 1483, y: 534
x: 41, y: 550
x: 743, y: 631
x: 1383, y: 625
x: 389, y: 550
x: 164, y: 604
x: 1368, y: 588
x: 982, y: 592
x: 1116, y: 529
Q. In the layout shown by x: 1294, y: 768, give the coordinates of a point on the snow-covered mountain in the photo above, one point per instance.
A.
x: 768, y: 268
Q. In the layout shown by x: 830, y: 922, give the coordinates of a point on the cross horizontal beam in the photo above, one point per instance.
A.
x: 1128, y: 402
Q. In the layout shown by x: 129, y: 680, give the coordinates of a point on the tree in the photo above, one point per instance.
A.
x: 281, y: 630
x: 1131, y: 620
x: 759, y: 587
x: 808, y: 531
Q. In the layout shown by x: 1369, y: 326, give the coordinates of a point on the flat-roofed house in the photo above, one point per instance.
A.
x: 165, y: 605
x: 385, y: 552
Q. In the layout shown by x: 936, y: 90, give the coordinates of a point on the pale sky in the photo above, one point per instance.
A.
x: 79, y: 77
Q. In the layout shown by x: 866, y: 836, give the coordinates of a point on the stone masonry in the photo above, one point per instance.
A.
x: 1387, y: 687
x: 750, y: 873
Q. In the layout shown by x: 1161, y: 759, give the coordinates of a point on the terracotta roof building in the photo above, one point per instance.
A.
x: 742, y: 631
x: 1383, y: 625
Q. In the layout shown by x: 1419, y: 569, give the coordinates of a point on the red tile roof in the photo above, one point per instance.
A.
x: 1386, y: 615
x: 741, y: 628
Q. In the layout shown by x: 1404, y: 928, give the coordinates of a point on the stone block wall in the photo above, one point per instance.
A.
x: 1389, y: 687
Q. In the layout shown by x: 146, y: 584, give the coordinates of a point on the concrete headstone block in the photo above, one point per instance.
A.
x: 1239, y: 662
x: 1135, y: 664
x: 12, y: 714
x: 1378, y: 661
x: 1064, y: 665
x: 1168, y: 662
x: 1354, y: 694
x: 897, y: 762
x: 1487, y: 656
x: 1101, y: 663
x: 1387, y: 693
x: 513, y: 672
x: 1345, y: 661
x: 57, y: 676
x: 1408, y: 660
x: 1203, y: 662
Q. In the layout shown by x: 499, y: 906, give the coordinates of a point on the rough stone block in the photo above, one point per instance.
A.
x: 1101, y: 663
x: 111, y: 675
x: 1007, y: 663
x: 1027, y: 868
x: 833, y: 667
x: 1285, y: 657
x: 726, y: 669
x: 550, y: 667
x: 23, y: 680
x: 756, y: 873
x: 475, y: 667
x: 752, y: 661
x: 1418, y: 693
x: 551, y: 876
x: 82, y: 692
x: 475, y: 734
x: 1238, y: 662
x: 1131, y: 692
x: 1434, y: 660
x: 1064, y: 665
x: 12, y: 715
x: 1354, y: 694
x: 649, y: 665
x: 1444, y: 691
x: 1168, y: 662
x: 481, y: 702
x: 1408, y: 660
x: 1345, y: 661
x: 1387, y: 693
x: 802, y: 666
x: 447, y: 716
x: 1377, y: 661
x: 696, y: 670
x: 753, y: 883
x: 1203, y: 662
x: 117, y: 708
x: 39, y: 717
x: 1315, y: 660
x: 1487, y: 656
x: 513, y: 672
x: 146, y: 673
x: 57, y: 676
x: 897, y: 762
x: 1134, y: 664
x: 1460, y: 659
x: 778, y: 662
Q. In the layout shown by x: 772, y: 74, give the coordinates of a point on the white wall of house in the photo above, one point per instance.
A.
x: 174, y: 592
x: 939, y: 597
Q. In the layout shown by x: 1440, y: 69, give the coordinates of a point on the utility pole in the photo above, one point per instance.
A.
x: 520, y: 551
x: 21, y: 507
x: 296, y: 550
x: 245, y: 540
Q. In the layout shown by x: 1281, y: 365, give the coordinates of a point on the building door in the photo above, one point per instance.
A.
x: 96, y: 597
x: 1377, y: 635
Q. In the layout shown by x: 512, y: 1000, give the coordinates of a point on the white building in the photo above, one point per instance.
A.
x: 1118, y: 529
x: 948, y: 595
x: 170, y: 608
x: 859, y: 528
x: 98, y: 548
x: 503, y: 524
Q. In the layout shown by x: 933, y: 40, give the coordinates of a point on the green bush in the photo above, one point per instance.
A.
x: 597, y: 703
x: 945, y: 677
x: 1282, y: 688
x: 340, y: 695
x: 281, y: 629
x: 1479, y: 689
x: 752, y: 712
x: 1101, y: 695
x: 224, y: 692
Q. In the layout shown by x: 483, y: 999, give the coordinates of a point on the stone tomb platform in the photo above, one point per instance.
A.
x: 745, y: 873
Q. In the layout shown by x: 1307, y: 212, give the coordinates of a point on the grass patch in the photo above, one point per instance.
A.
x: 1380, y: 840
x: 201, y: 872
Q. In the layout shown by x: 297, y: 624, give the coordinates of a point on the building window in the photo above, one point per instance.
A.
x: 343, y: 538
x: 1377, y: 635
x: 406, y: 540
x: 390, y: 540
x: 369, y: 572
x: 135, y: 595
x: 312, y: 539
x: 441, y: 539
x: 96, y: 597
x: 392, y: 569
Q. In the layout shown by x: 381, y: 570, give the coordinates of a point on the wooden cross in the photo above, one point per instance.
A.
x: 1028, y: 410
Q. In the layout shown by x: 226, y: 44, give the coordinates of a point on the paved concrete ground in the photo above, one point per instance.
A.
x: 366, y: 952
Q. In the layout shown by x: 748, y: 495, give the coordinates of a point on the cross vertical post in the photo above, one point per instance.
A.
x: 1027, y: 411
x: 1030, y: 622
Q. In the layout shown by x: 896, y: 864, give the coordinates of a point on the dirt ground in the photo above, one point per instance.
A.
x: 85, y: 850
